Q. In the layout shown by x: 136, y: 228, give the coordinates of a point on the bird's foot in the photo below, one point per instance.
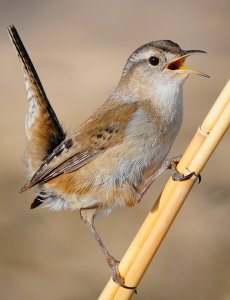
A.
x: 177, y: 176
x: 117, y: 278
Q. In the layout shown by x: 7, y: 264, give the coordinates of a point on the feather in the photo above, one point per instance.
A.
x: 104, y: 130
x: 43, y: 129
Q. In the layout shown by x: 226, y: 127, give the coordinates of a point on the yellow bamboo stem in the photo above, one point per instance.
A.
x: 207, y: 125
x: 217, y: 108
x: 159, y: 220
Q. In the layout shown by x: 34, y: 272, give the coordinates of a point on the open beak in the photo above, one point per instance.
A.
x: 177, y: 65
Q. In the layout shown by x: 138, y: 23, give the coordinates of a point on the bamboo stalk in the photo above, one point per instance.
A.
x: 159, y: 220
x: 207, y: 125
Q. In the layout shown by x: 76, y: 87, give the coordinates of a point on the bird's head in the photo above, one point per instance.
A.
x: 161, y: 60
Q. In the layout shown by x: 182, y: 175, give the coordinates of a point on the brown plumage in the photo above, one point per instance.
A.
x: 102, y: 131
x: 115, y: 155
x: 45, y: 132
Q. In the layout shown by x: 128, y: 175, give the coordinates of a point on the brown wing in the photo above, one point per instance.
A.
x: 105, y: 129
x: 43, y: 129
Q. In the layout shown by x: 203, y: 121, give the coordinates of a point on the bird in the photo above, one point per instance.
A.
x: 113, y: 158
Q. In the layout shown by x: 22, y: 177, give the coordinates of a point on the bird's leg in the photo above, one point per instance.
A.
x: 176, y: 176
x: 149, y: 181
x: 87, y: 216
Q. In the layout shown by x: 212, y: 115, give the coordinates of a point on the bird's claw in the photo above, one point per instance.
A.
x: 117, y: 278
x: 177, y: 176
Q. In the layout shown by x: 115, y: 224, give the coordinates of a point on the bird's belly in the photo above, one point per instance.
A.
x: 107, y: 181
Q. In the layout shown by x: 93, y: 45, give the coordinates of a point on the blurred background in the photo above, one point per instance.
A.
x: 79, y: 49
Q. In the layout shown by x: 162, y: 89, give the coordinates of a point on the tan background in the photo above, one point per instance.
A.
x: 79, y: 49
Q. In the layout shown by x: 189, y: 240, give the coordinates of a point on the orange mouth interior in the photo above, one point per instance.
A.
x: 176, y: 64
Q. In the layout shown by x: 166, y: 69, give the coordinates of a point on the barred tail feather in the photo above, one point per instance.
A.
x: 43, y: 130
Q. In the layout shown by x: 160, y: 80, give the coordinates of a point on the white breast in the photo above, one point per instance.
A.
x: 149, y: 142
x: 167, y: 95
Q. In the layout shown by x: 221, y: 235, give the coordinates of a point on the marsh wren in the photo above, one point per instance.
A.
x: 118, y: 152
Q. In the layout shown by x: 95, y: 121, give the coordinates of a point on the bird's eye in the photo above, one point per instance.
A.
x: 154, y: 61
